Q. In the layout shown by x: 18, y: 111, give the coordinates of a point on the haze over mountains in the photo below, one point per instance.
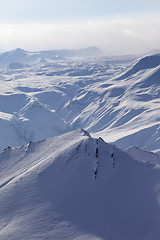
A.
x: 23, y: 57
x: 47, y: 93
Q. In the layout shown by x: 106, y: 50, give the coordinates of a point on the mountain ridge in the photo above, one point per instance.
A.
x: 64, y: 188
x: 82, y: 93
x: 21, y: 56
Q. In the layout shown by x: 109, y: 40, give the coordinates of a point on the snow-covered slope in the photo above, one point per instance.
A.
x: 77, y: 187
x: 34, y: 121
x: 143, y: 155
x: 151, y: 61
x: 113, y: 97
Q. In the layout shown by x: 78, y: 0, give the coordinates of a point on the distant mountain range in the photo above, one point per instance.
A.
x: 25, y: 57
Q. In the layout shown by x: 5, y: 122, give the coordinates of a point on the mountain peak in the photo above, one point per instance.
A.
x: 85, y: 133
x: 18, y: 50
x: 71, y: 186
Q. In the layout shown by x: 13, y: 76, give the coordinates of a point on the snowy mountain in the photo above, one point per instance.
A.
x: 148, y: 62
x: 21, y: 56
x: 143, y: 155
x: 44, y: 94
x: 34, y: 121
x: 76, y: 187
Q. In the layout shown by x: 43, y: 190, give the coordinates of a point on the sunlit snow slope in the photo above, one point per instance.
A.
x: 44, y: 94
x: 143, y: 155
x: 76, y: 187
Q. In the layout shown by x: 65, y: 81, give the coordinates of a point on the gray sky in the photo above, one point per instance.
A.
x: 116, y: 26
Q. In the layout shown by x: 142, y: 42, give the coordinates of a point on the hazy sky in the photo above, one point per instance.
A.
x: 116, y: 26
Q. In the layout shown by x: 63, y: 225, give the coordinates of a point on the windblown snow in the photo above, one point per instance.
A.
x: 76, y: 187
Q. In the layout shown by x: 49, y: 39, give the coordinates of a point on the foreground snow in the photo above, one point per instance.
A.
x: 76, y: 187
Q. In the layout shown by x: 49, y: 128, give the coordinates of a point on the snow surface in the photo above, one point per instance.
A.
x: 76, y: 187
x: 47, y: 93
x: 143, y: 155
